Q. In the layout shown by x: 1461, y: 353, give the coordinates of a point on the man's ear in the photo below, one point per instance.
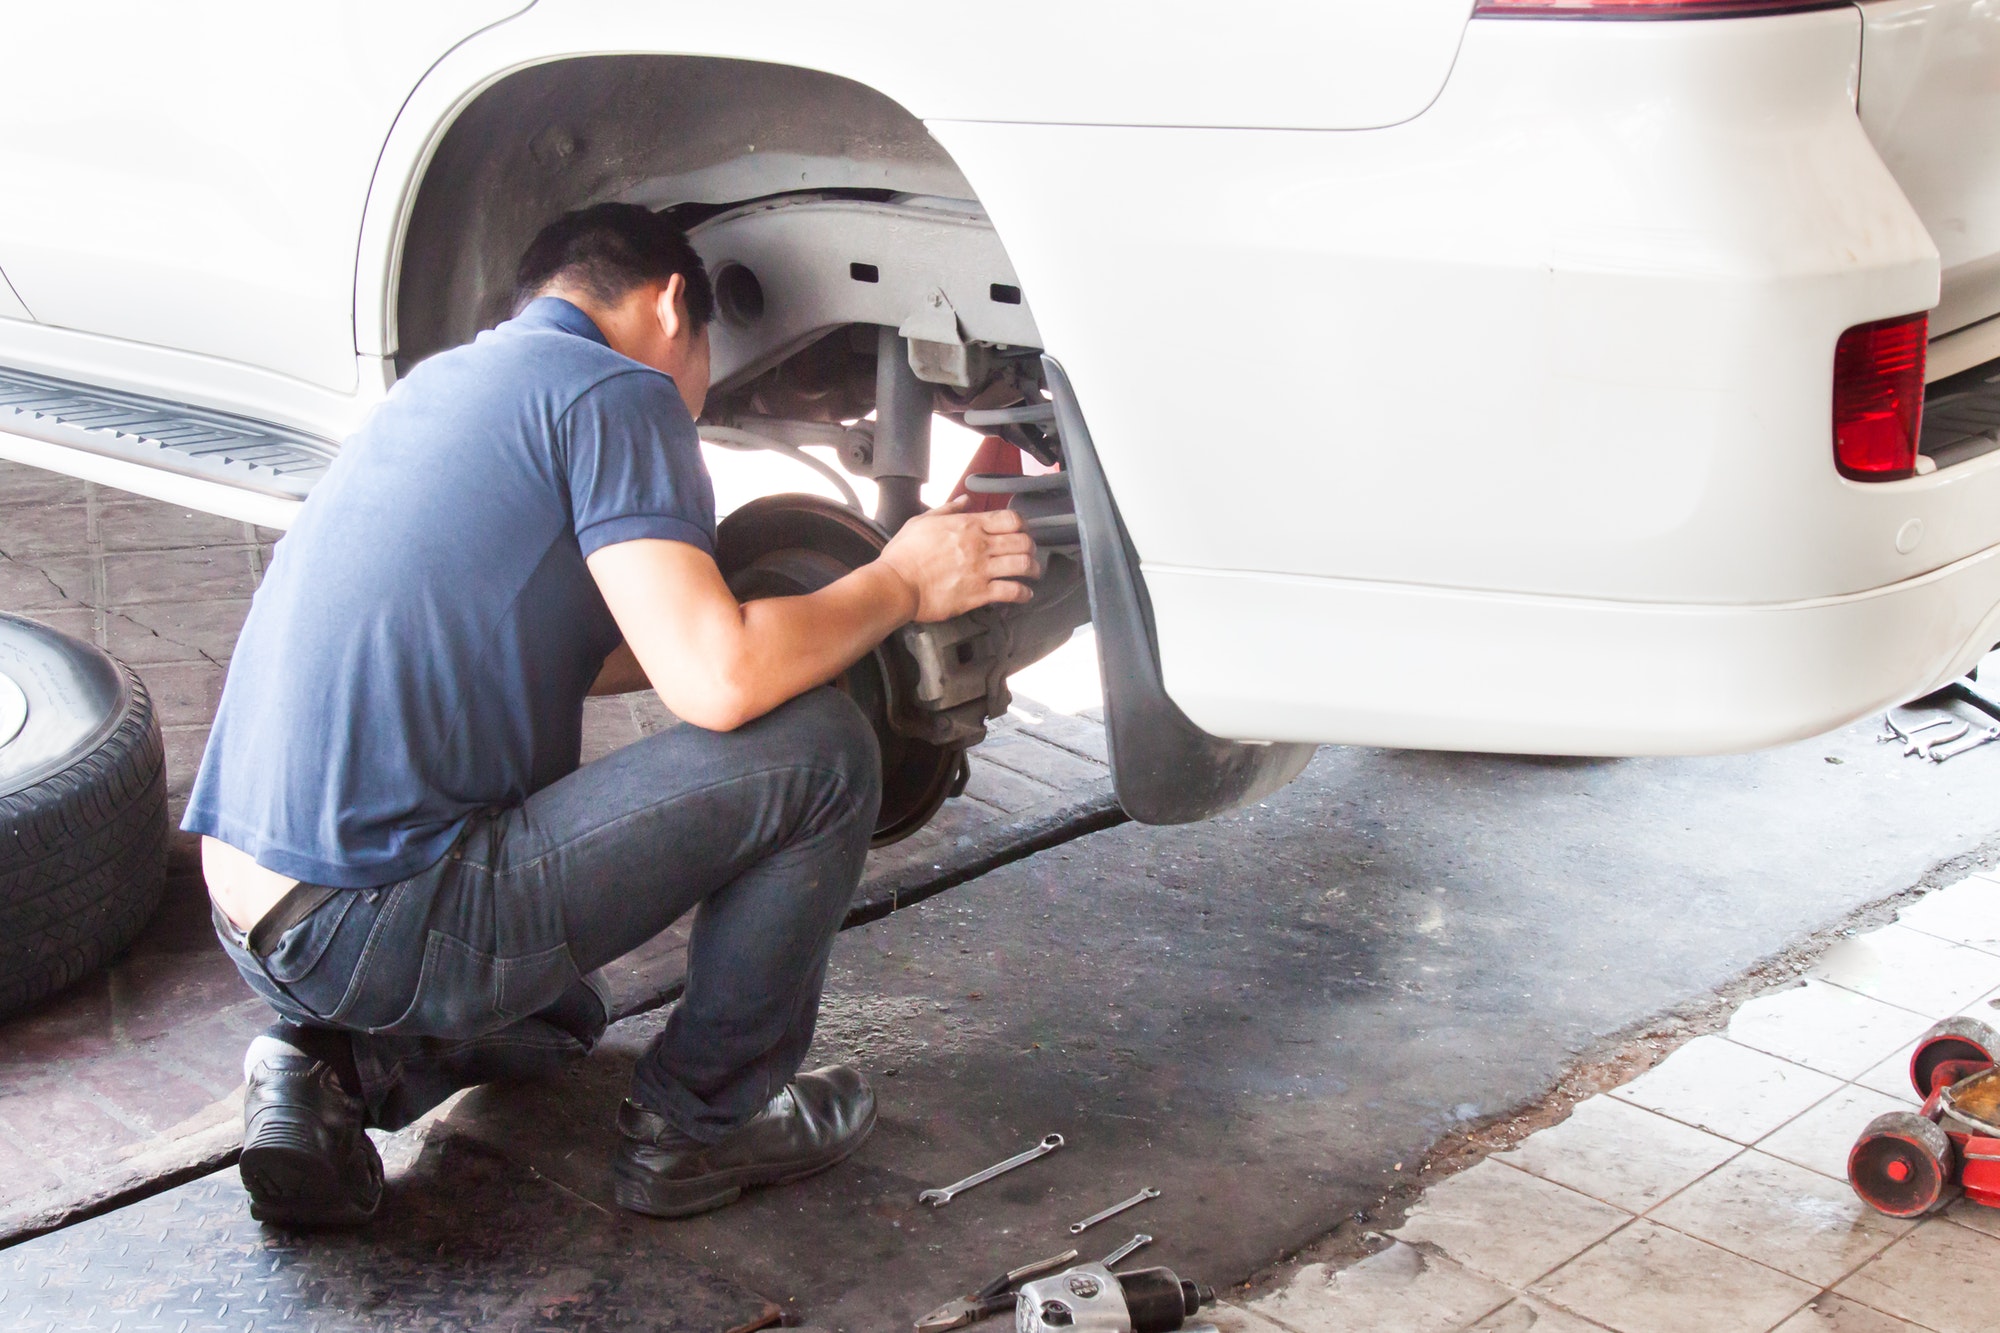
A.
x: 671, y: 307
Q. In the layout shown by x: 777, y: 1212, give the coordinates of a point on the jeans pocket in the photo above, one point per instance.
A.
x: 466, y: 992
x: 530, y: 984
x: 299, y: 949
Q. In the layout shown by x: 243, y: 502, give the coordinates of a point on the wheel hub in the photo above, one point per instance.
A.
x: 784, y: 545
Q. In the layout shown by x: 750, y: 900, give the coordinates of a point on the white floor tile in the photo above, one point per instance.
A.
x: 1649, y: 1279
x: 1531, y: 1316
x: 1733, y: 1239
x: 1967, y: 912
x: 1911, y: 970
x: 1821, y: 1139
x: 1784, y: 1216
x: 1400, y: 1290
x: 1731, y: 1090
x: 1620, y: 1153
x: 1507, y: 1224
x: 1824, y: 1027
x: 1891, y: 1075
x: 1986, y: 1008
x: 1837, y: 1314
x: 1975, y: 1215
x: 1940, y: 1276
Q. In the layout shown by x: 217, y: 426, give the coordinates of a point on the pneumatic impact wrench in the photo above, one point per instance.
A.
x: 1092, y: 1299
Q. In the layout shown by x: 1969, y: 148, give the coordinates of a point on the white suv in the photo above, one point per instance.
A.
x: 1533, y: 375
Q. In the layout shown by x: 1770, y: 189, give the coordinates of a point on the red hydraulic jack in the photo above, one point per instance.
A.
x: 1909, y: 1163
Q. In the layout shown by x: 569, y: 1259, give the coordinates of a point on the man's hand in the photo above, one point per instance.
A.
x: 718, y: 664
x: 955, y: 562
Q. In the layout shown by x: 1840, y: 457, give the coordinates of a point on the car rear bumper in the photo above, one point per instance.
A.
x: 1533, y: 387
x: 1286, y: 659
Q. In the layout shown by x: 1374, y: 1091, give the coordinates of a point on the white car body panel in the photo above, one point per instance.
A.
x: 1973, y: 345
x: 192, y: 176
x: 1541, y: 339
x: 1460, y: 669
x: 1333, y: 64
x: 1461, y: 384
x: 10, y: 304
x: 1930, y: 100
x: 1572, y: 361
x: 208, y: 381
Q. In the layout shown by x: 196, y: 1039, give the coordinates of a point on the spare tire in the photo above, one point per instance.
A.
x: 83, y: 810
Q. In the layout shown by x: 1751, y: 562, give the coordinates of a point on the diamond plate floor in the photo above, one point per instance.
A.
x: 465, y: 1240
x: 132, y: 1076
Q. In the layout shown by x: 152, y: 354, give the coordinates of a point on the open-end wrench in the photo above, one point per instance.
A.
x: 1078, y: 1228
x: 939, y: 1198
x: 1921, y: 748
x: 1124, y: 1251
x: 1944, y: 750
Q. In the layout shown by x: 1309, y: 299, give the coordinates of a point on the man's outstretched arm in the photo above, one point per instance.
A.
x: 719, y: 663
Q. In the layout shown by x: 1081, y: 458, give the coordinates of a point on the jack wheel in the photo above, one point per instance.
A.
x: 1957, y: 1038
x: 1903, y: 1165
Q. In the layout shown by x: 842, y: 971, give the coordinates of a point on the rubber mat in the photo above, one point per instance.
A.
x: 465, y: 1240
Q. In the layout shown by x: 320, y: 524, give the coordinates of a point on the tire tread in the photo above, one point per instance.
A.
x: 83, y: 858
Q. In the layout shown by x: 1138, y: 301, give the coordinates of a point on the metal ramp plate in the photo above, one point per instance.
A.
x: 195, y: 442
x: 1962, y: 416
x: 465, y: 1240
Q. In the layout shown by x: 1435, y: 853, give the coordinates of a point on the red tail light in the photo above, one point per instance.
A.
x: 1878, y: 398
x: 1645, y: 9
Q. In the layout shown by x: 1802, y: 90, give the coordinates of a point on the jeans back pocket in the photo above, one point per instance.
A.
x: 464, y: 992
x: 298, y: 951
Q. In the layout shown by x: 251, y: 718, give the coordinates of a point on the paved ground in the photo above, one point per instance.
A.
x: 1709, y: 1195
x: 1265, y: 1017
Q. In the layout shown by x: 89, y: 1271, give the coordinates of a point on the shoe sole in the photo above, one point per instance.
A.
x: 293, y: 1179
x: 704, y: 1194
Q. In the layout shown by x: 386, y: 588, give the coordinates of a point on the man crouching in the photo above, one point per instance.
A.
x: 406, y: 860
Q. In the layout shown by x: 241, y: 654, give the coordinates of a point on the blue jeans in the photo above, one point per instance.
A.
x: 477, y: 968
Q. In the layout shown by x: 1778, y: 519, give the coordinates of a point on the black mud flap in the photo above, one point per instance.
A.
x: 1166, y: 769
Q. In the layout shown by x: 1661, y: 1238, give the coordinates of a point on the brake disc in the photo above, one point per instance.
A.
x: 785, y: 545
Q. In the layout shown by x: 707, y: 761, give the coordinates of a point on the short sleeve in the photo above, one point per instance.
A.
x: 634, y: 465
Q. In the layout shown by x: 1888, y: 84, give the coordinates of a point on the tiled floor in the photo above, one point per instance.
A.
x: 1709, y: 1194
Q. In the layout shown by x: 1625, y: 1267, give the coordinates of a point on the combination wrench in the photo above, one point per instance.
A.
x: 1921, y: 749
x: 1078, y: 1228
x: 939, y: 1198
x: 1125, y: 1251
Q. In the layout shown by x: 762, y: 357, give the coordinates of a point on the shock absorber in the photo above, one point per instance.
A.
x: 902, y: 458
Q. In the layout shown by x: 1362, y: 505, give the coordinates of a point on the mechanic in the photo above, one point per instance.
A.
x: 405, y: 858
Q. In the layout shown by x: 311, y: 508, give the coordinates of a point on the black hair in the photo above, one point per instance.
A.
x: 608, y: 249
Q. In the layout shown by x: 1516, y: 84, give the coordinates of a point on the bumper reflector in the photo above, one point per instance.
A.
x: 1878, y: 398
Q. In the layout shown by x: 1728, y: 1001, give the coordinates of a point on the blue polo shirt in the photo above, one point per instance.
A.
x: 423, y: 640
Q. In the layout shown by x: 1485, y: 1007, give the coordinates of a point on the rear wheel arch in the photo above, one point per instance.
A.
x: 663, y: 130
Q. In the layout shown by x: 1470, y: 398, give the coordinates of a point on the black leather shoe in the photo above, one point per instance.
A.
x: 306, y: 1160
x: 815, y: 1122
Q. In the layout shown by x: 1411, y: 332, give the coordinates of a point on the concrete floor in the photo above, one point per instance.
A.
x: 1263, y: 1016
x: 1266, y: 1015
